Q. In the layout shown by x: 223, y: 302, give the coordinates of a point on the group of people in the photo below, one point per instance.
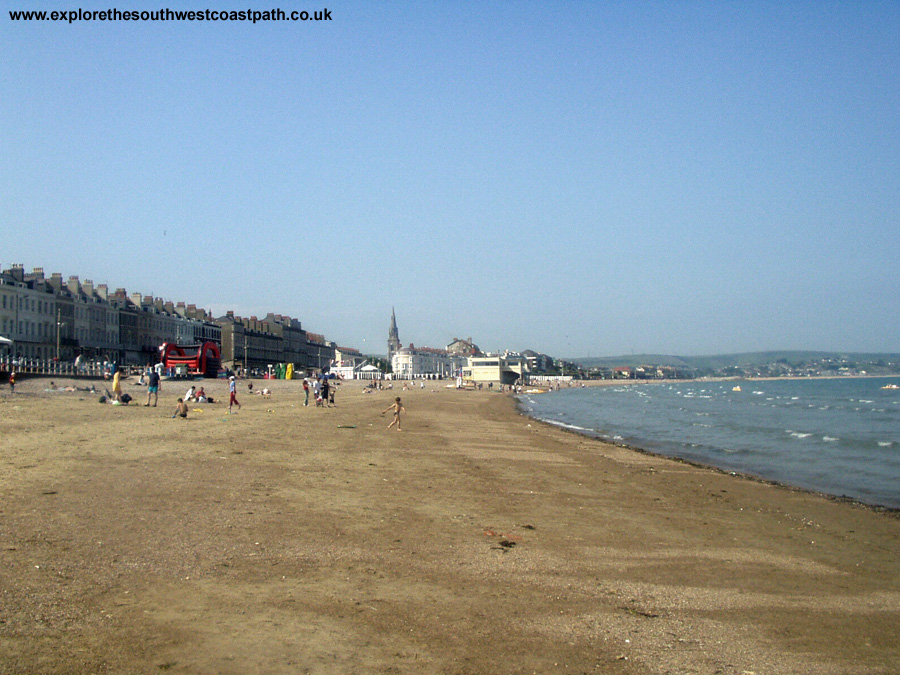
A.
x: 195, y: 395
x: 322, y: 389
x: 323, y: 392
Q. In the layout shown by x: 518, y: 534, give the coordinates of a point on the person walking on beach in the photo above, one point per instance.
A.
x: 117, y: 385
x: 12, y: 383
x: 232, y: 394
x: 152, y: 388
x: 398, y: 408
x: 306, y: 392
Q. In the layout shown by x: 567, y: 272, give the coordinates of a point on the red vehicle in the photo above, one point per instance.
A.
x: 204, y: 359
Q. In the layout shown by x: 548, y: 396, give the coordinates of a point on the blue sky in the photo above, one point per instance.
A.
x: 581, y: 179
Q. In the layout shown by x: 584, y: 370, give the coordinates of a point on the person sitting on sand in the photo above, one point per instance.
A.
x: 191, y: 394
x: 397, y: 407
x: 181, y: 410
x: 200, y: 396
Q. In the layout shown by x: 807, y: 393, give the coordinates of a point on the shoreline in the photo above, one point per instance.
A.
x: 587, y: 433
x: 285, y: 539
x: 844, y: 499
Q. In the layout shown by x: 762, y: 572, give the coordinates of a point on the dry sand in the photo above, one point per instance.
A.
x: 285, y: 539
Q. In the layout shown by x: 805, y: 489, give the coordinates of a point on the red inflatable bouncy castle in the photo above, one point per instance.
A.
x: 204, y: 359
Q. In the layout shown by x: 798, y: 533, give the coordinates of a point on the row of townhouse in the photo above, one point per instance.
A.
x: 51, y: 318
x: 255, y: 344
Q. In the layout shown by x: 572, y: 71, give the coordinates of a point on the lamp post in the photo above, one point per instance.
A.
x: 59, y: 325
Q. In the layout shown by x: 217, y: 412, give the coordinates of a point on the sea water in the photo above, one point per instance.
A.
x: 836, y: 436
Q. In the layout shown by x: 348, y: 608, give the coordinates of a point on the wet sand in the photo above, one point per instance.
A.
x: 285, y: 539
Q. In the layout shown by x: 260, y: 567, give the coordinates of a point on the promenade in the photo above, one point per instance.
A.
x: 285, y: 539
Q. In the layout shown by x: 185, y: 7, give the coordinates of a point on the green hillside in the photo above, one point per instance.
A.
x: 716, y: 362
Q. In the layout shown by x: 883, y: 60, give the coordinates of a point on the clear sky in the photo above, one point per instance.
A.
x: 578, y: 178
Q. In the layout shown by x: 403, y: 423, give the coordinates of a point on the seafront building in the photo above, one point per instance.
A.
x: 411, y: 363
x: 464, y: 360
x: 46, y: 318
x: 506, y: 368
x: 463, y: 347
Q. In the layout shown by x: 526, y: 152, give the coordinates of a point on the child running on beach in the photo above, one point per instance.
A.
x: 397, y: 407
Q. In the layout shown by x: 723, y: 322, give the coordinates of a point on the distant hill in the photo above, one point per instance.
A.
x: 719, y: 361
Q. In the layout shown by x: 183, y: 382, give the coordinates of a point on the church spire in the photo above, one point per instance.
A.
x: 393, y: 337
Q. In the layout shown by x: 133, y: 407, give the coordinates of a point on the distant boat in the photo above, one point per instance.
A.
x: 891, y: 386
x: 737, y: 388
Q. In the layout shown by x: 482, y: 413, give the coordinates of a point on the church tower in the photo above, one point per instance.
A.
x: 393, y: 337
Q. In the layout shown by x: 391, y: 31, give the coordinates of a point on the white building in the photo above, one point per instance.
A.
x: 27, y: 315
x: 362, y: 371
x: 506, y: 369
x: 411, y: 363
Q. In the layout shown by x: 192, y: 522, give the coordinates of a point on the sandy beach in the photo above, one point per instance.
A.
x: 286, y: 539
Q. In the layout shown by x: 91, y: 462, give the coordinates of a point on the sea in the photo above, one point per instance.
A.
x: 835, y: 436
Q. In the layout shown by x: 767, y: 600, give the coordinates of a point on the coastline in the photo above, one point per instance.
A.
x: 286, y: 539
x: 586, y: 433
x: 523, y: 409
